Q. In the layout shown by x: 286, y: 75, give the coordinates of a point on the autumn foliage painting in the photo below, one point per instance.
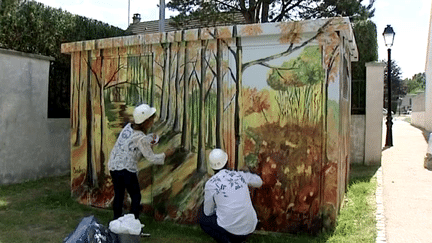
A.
x: 273, y: 96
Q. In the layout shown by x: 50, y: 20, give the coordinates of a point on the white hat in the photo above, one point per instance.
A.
x: 218, y: 159
x: 142, y: 113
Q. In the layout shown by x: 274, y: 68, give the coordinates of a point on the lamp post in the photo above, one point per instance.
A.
x: 162, y: 16
x: 388, y: 39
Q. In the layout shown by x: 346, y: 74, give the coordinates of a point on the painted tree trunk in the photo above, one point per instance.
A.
x: 177, y: 92
x: 201, y: 112
x: 185, y: 142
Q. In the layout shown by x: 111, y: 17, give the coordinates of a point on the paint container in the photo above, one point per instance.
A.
x: 126, y: 238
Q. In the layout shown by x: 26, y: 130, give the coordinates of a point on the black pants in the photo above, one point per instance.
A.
x: 124, y: 179
x: 210, y: 226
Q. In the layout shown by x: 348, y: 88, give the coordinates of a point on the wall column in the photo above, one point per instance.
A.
x: 374, y: 112
x: 428, y: 100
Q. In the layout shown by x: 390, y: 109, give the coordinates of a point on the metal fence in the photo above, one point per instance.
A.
x: 358, y: 97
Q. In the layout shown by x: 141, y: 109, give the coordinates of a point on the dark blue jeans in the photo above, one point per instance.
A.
x: 125, y: 180
x: 209, y: 225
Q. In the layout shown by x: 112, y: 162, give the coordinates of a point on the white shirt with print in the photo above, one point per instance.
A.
x: 129, y: 148
x: 227, y: 194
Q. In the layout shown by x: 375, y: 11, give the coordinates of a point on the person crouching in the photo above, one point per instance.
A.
x: 228, y: 212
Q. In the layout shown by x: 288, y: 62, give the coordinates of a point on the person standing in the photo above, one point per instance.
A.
x: 131, y: 145
x: 229, y: 215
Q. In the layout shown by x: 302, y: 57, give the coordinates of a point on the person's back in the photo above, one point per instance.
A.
x: 228, y: 212
x: 230, y: 192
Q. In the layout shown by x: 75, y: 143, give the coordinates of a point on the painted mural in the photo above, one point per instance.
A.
x: 274, y: 96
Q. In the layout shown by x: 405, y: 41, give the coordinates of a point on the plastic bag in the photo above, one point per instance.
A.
x: 126, y: 225
x: 90, y: 231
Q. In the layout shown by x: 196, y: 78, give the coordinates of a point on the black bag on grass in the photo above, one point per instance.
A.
x: 90, y: 231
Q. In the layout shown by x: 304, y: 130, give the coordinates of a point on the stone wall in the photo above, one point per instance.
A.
x: 32, y: 146
x: 418, y: 110
x: 358, y: 125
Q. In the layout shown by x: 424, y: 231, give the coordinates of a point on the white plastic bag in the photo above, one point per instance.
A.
x: 126, y: 225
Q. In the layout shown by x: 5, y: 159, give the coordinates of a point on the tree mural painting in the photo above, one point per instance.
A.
x: 288, y: 149
x: 89, y: 116
x: 210, y: 92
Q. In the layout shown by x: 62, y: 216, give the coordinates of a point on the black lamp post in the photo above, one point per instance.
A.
x: 388, y: 39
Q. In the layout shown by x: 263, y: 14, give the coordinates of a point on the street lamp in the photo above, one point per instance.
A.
x: 388, y: 40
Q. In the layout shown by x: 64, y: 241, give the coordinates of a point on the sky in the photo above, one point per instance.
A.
x: 409, y: 19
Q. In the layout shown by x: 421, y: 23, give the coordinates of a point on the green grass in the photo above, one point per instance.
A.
x: 43, y: 211
x: 356, y: 221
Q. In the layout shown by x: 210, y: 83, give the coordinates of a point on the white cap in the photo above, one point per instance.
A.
x: 218, y: 159
x: 142, y: 113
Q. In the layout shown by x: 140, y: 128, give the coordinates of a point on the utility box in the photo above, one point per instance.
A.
x: 274, y: 96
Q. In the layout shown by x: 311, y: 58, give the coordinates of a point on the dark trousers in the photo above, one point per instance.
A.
x: 124, y: 179
x: 209, y: 225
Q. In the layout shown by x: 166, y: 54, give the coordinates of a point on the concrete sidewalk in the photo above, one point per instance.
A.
x: 406, y: 188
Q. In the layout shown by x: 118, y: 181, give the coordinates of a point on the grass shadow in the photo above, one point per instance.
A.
x: 362, y: 172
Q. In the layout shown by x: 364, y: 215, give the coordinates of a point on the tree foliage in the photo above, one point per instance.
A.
x: 261, y: 11
x: 296, y: 82
x: 398, y: 89
x: 415, y: 84
x: 32, y: 27
x: 365, y: 34
x: 304, y: 70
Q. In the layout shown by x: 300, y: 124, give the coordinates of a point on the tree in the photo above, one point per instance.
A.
x: 415, y: 84
x: 398, y: 88
x: 261, y: 11
x: 295, y: 82
x: 365, y: 34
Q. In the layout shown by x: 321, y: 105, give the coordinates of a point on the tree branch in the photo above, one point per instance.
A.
x: 232, y: 74
x: 99, y: 82
x: 289, y: 50
x: 194, y: 71
x: 196, y: 76
x: 285, y: 9
x: 157, y: 63
x: 114, y: 74
x: 109, y: 86
x: 275, y: 67
x: 94, y: 72
x: 228, y: 5
x: 229, y: 48
x: 330, y: 66
x: 230, y: 102
x: 210, y: 68
x: 280, y: 75
x: 208, y: 90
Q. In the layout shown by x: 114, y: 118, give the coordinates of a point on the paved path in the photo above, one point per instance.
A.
x: 406, y: 187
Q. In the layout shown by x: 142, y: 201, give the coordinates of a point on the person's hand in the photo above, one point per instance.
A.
x: 169, y: 152
x: 155, y: 139
x: 245, y: 168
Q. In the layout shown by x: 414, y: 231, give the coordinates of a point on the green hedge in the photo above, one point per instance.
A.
x: 32, y: 27
x: 365, y: 33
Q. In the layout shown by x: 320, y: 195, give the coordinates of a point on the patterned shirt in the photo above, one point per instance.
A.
x: 227, y: 194
x: 129, y: 148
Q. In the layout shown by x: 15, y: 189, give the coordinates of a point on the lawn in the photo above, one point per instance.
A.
x: 43, y: 211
